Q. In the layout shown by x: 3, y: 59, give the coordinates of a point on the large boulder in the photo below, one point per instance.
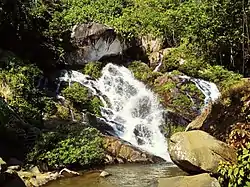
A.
x: 202, y: 180
x: 92, y: 42
x: 120, y: 151
x: 199, y: 152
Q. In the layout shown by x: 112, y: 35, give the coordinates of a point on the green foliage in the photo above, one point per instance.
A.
x: 143, y: 73
x: 215, y: 30
x: 236, y: 175
x: 174, y: 129
x: 79, y: 148
x: 219, y: 75
x: 197, y: 67
x: 93, y: 69
x: 94, y: 106
x: 18, y: 87
x: 82, y: 99
x: 76, y: 93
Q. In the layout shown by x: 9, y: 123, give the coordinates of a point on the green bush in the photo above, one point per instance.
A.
x: 18, y: 88
x: 221, y: 76
x: 82, y: 99
x: 197, y: 67
x: 93, y: 69
x: 236, y: 175
x: 76, y: 93
x: 94, y: 106
x: 83, y: 148
x: 142, y: 72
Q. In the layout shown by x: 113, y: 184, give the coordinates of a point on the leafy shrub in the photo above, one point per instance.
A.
x: 197, y: 67
x: 236, y: 175
x: 143, y: 73
x: 58, y: 149
x: 76, y: 93
x: 18, y: 87
x: 94, y: 106
x: 82, y: 99
x: 240, y: 135
x: 221, y: 76
x: 93, y: 69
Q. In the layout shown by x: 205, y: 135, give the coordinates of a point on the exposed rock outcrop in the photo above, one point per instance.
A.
x: 202, y: 180
x: 197, y: 123
x: 199, y: 152
x: 92, y: 42
x: 30, y: 178
x: 119, y: 151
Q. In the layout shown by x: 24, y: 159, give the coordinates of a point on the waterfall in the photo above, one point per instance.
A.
x: 159, y: 63
x: 209, y: 89
x: 133, y: 111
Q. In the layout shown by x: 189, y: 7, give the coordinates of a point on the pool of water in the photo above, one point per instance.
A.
x: 125, y: 175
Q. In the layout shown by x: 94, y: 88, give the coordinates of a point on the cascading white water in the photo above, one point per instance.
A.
x: 135, y: 107
x: 209, y: 89
x: 134, y: 111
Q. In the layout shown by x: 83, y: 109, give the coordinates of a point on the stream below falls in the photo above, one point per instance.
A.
x: 124, y: 175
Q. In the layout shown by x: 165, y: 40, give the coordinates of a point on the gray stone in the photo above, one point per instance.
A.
x: 120, y: 149
x: 93, y: 41
x: 202, y: 180
x: 104, y: 174
x: 198, y: 152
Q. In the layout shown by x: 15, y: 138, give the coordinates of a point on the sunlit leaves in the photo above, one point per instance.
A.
x: 237, y: 175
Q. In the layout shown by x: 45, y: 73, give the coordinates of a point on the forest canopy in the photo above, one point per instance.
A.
x: 216, y: 30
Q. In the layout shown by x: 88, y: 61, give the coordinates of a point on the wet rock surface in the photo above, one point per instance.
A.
x: 119, y: 151
x: 199, y: 152
x: 202, y: 180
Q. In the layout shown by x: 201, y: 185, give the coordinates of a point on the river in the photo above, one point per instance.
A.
x: 125, y: 175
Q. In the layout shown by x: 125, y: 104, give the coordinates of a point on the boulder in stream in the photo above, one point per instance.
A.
x: 123, y: 152
x: 202, y: 180
x: 104, y: 174
x: 198, y: 152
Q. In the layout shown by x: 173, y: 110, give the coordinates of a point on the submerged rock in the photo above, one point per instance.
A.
x: 92, y: 42
x: 202, y: 180
x: 123, y: 152
x: 68, y: 173
x: 199, y: 152
x: 104, y: 174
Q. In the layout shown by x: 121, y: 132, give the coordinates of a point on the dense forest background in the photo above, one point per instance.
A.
x: 216, y: 30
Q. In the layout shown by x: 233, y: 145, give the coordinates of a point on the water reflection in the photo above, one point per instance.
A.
x: 130, y: 175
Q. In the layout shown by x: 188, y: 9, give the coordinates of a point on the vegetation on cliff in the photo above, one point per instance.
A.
x: 215, y: 30
x: 70, y: 146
